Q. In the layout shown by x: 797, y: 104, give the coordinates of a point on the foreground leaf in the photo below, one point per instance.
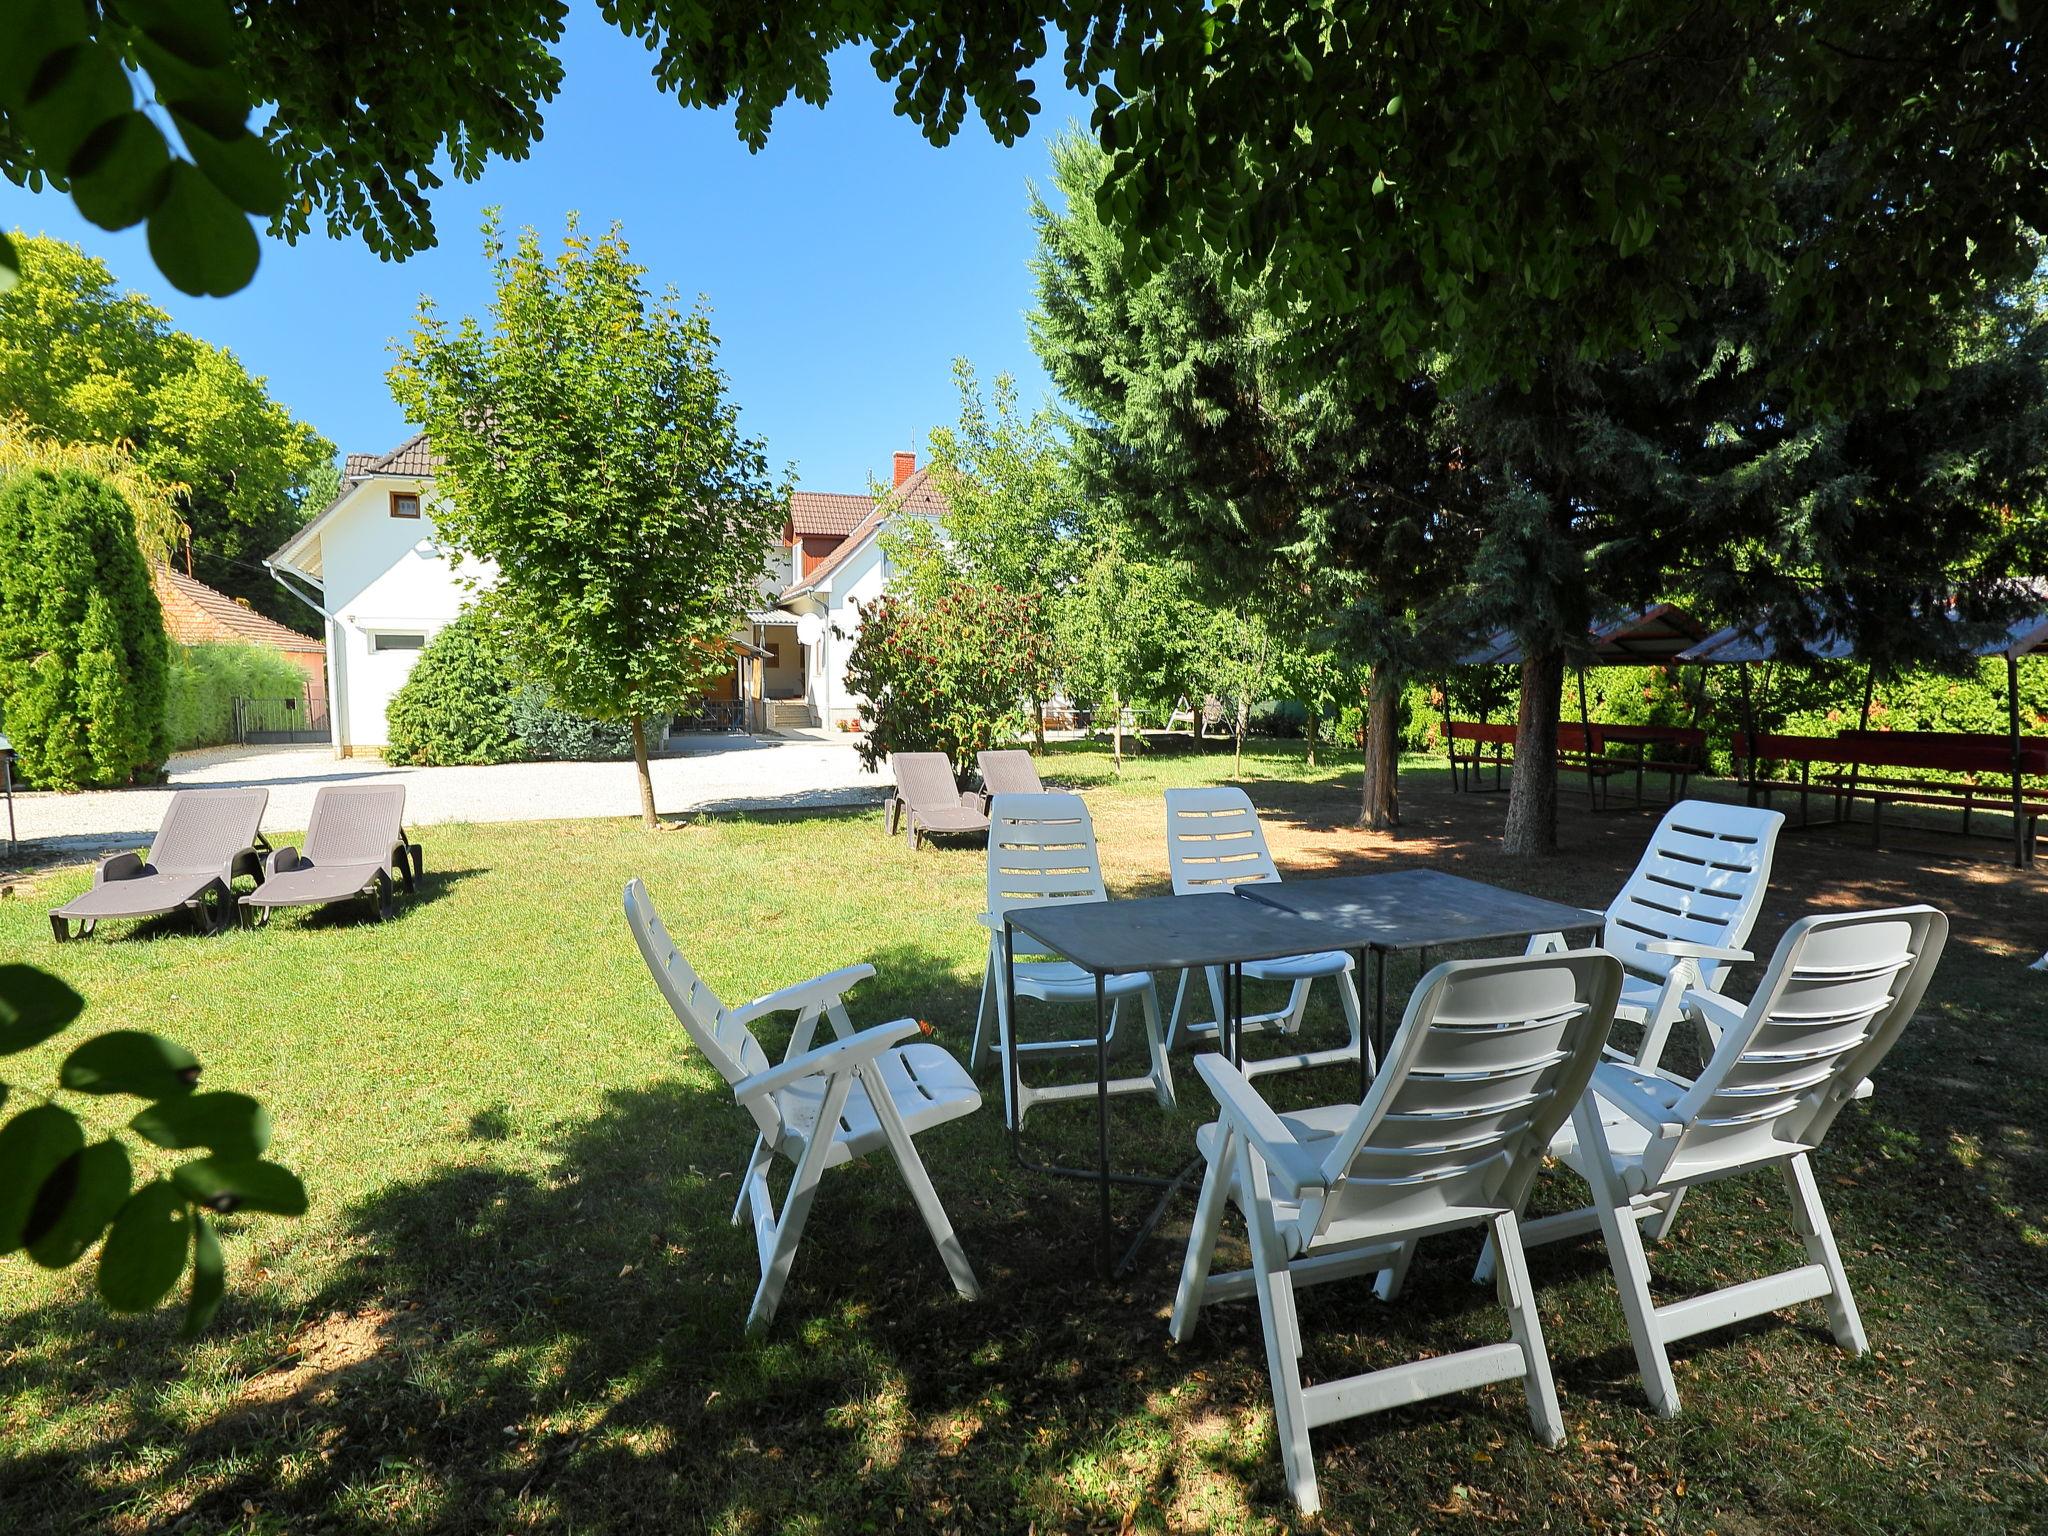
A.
x: 145, y: 1251
x: 76, y: 1202
x: 130, y: 1061
x: 34, y: 1005
x: 199, y: 239
x: 228, y: 1124
x: 209, y: 1279
x: 238, y: 1184
x: 32, y: 1145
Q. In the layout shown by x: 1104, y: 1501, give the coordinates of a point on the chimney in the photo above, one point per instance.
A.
x: 906, y: 466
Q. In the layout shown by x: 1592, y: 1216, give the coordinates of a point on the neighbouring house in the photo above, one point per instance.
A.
x: 371, y: 567
x: 196, y: 614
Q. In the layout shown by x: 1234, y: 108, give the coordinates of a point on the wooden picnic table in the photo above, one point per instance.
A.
x: 1676, y: 751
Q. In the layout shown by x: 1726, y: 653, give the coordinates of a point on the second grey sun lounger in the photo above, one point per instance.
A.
x: 1009, y: 772
x: 355, y: 845
x: 929, y: 799
x: 208, y: 838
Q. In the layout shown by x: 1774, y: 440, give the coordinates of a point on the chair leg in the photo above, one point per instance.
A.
x: 1812, y: 1222
x: 1155, y: 1040
x: 1209, y: 1212
x: 1518, y: 1295
x: 1282, y: 1328
x: 796, y: 1206
x: 1297, y: 1008
x: 911, y: 1166
x: 1354, y: 1015
x: 1173, y: 1020
x: 1668, y: 1218
x: 758, y: 1159
x: 1390, y: 1280
x: 978, y: 1051
x: 60, y: 928
x: 1632, y: 1279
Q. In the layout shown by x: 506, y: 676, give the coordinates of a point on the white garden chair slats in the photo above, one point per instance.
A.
x: 1682, y: 919
x: 1489, y: 1060
x: 1834, y: 1000
x: 823, y: 1106
x: 1041, y: 851
x: 1214, y: 843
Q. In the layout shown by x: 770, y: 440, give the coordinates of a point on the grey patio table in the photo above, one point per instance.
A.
x: 1150, y: 933
x: 1414, y: 909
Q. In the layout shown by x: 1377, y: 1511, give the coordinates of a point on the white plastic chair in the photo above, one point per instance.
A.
x: 1490, y: 1058
x: 1834, y: 1000
x: 1213, y: 843
x: 1682, y: 919
x: 1041, y: 852
x: 866, y: 1091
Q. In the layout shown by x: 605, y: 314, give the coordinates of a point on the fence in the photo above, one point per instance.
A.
x: 281, y: 722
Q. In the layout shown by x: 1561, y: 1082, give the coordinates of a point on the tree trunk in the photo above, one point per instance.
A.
x: 1309, y: 727
x: 1038, y: 726
x: 647, y: 816
x: 1244, y: 718
x: 1532, y: 789
x: 1382, y: 806
x: 1116, y: 731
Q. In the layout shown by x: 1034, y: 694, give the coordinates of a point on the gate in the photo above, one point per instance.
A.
x: 299, y: 722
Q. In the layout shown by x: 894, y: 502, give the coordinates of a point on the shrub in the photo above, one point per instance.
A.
x: 83, y: 656
x: 205, y: 680
x: 465, y: 702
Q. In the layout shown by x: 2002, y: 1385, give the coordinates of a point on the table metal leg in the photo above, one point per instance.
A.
x: 1102, y: 1120
x: 1379, y: 1003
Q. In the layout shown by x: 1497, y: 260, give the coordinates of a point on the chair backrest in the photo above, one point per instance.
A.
x: 204, y: 828
x: 1041, y: 852
x: 1702, y: 879
x: 1838, y: 992
x: 731, y: 1047
x: 1490, y: 1059
x: 355, y: 823
x: 1009, y: 772
x: 1214, y: 841
x: 925, y: 779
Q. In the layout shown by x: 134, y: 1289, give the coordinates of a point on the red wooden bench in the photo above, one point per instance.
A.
x: 1485, y: 745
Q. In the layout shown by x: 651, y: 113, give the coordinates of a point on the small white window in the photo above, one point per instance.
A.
x: 396, y: 640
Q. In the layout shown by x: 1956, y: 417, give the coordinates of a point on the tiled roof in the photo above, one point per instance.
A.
x: 414, y: 456
x: 195, y: 614
x: 917, y: 494
x: 827, y: 513
x: 357, y: 465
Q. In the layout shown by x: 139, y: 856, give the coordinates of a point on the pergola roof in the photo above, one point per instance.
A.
x: 1750, y: 642
x: 1638, y: 637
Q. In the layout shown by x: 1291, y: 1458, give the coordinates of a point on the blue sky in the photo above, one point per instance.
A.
x: 847, y: 264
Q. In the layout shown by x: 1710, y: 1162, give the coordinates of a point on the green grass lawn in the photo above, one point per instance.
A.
x: 516, y: 1301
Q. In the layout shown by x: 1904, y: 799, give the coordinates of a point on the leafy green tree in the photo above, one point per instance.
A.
x: 1127, y: 630
x: 593, y: 457
x: 1010, y: 518
x: 60, y: 1194
x: 951, y: 675
x: 88, y: 362
x: 1329, y: 514
x: 83, y: 658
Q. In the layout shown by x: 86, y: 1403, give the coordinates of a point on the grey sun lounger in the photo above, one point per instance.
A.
x: 1009, y: 772
x: 929, y: 800
x: 356, y: 844
x: 208, y: 838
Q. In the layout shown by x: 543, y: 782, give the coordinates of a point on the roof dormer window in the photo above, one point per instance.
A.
x: 405, y: 503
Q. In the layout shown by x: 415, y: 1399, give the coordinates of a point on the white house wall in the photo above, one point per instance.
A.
x: 860, y: 580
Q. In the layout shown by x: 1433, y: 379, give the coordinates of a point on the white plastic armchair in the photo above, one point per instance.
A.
x: 1834, y: 1000
x: 1681, y: 921
x: 1041, y: 852
x: 1490, y: 1058
x: 1213, y: 843
x: 823, y: 1106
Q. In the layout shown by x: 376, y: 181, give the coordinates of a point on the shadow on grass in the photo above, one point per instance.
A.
x: 431, y: 887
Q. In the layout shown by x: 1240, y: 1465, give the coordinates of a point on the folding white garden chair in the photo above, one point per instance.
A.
x: 1213, y: 843
x: 1837, y: 994
x: 1682, y: 919
x: 1041, y: 851
x: 823, y: 1106
x: 1489, y: 1061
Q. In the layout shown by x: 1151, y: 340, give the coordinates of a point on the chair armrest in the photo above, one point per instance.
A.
x: 1716, y: 1011
x: 1619, y: 1088
x: 973, y: 799
x: 828, y: 988
x: 119, y: 866
x: 280, y: 860
x: 1251, y: 1117
x: 840, y: 1055
x: 1686, y: 950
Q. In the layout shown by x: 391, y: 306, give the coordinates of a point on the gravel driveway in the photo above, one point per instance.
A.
x: 707, y: 773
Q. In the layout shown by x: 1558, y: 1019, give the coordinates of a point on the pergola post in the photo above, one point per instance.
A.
x: 2012, y: 720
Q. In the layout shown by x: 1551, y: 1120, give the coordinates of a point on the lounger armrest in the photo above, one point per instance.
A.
x: 1251, y: 1117
x: 1618, y: 1087
x: 828, y: 988
x: 840, y: 1055
x: 1686, y: 950
x: 119, y: 866
x: 280, y: 860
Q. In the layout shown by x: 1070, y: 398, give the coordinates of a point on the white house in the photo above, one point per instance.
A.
x: 371, y: 567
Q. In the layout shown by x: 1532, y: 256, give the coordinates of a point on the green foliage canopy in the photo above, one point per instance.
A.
x: 204, y: 681
x: 82, y: 649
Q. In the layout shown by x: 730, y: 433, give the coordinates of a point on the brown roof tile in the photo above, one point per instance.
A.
x: 414, y: 456
x: 827, y: 513
x: 195, y: 614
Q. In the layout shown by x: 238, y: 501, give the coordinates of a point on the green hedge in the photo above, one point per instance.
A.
x: 206, y: 679
x: 464, y: 702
